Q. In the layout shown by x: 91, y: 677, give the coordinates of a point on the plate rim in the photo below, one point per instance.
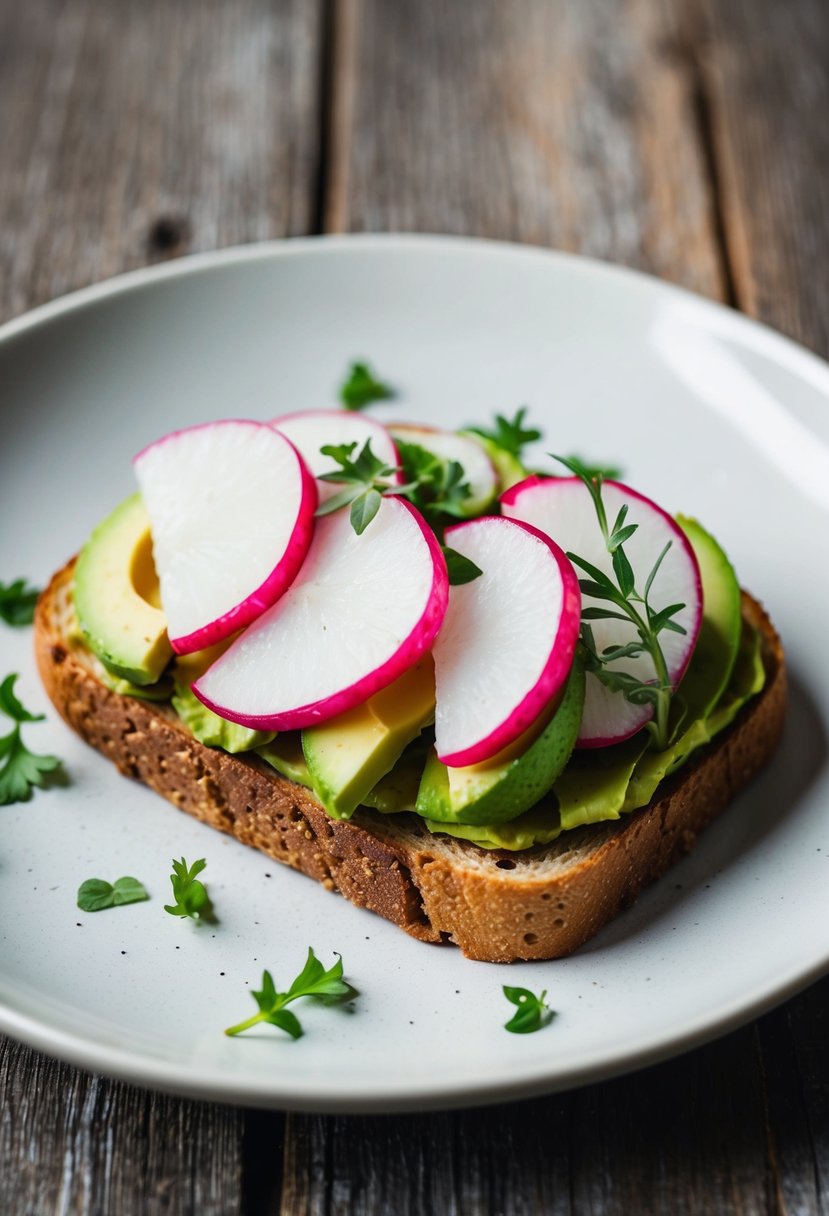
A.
x: 597, y: 1065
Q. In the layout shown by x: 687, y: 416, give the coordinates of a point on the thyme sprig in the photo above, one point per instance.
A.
x: 625, y: 603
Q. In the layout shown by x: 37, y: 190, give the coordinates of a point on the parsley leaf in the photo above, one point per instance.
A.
x: 460, y: 569
x: 96, y: 894
x: 17, y: 602
x: 190, y: 895
x: 509, y: 434
x: 361, y: 387
x: 313, y: 980
x: 435, y: 486
x: 21, y: 769
x: 532, y: 1013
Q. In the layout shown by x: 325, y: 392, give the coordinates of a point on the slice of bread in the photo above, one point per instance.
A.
x: 497, y: 906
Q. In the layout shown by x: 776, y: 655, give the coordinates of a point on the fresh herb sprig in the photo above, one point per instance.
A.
x: 21, y: 769
x: 17, y: 602
x: 95, y: 894
x: 630, y: 605
x: 313, y: 980
x: 361, y: 388
x: 435, y: 486
x: 532, y: 1012
x: 189, y: 892
x: 509, y: 434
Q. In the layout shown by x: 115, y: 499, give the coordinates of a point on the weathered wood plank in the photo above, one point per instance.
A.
x: 765, y: 71
x: 571, y: 125
x: 147, y: 128
x: 74, y: 1143
x: 134, y: 132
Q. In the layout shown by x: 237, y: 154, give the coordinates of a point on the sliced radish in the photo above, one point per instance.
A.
x: 478, y: 469
x: 507, y: 645
x: 563, y: 509
x: 311, y: 431
x: 362, y: 611
x: 231, y: 506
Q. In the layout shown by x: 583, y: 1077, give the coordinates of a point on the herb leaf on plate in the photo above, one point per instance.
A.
x: 189, y: 893
x: 532, y: 1012
x: 313, y: 981
x: 20, y: 769
x: 95, y: 894
x: 17, y: 602
x: 361, y: 387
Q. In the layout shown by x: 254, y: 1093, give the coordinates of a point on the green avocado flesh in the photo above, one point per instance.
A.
x: 493, y: 793
x: 348, y: 755
x: 284, y: 753
x: 116, y: 597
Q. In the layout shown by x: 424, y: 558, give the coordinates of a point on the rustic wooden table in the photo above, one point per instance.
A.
x: 688, y: 138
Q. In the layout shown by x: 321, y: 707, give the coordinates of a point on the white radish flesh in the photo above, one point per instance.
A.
x: 231, y: 506
x: 362, y: 611
x: 507, y: 645
x: 563, y: 509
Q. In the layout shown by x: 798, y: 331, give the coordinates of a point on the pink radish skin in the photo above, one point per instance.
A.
x: 311, y: 429
x: 476, y: 539
x: 289, y: 551
x: 416, y: 547
x: 561, y: 507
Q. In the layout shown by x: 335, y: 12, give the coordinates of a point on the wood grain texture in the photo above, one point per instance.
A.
x: 564, y: 124
x: 765, y: 70
x: 133, y: 132
x: 74, y: 1143
x: 141, y: 129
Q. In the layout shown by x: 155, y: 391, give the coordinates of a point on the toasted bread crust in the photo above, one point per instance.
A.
x: 498, y: 907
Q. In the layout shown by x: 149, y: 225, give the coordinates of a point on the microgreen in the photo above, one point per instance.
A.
x: 313, y: 980
x: 361, y: 387
x: 509, y: 434
x: 21, y: 769
x: 459, y: 568
x: 532, y: 1012
x: 96, y: 894
x: 189, y: 893
x: 621, y: 601
x: 436, y: 487
x: 17, y: 602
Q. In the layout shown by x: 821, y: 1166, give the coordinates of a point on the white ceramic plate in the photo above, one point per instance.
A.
x: 710, y: 414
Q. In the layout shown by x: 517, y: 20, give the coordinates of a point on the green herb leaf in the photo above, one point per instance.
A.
x: 17, y: 602
x: 595, y: 472
x: 190, y: 895
x: 361, y: 387
x: 532, y: 1013
x: 11, y: 707
x: 435, y: 486
x: 509, y: 434
x: 312, y: 981
x: 626, y: 598
x: 21, y: 769
x: 460, y: 569
x: 364, y: 509
x: 96, y: 894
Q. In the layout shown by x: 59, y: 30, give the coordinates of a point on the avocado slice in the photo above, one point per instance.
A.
x: 499, y: 791
x: 719, y: 638
x: 284, y: 753
x: 348, y: 755
x: 117, y: 598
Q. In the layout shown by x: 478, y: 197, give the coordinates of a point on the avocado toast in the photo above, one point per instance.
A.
x: 503, y: 840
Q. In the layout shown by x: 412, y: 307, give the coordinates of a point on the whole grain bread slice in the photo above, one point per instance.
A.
x: 496, y: 906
